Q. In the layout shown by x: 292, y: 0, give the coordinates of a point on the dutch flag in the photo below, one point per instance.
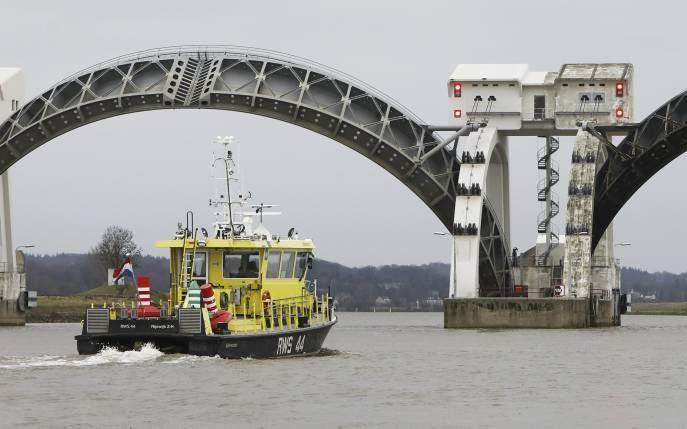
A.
x: 126, y: 270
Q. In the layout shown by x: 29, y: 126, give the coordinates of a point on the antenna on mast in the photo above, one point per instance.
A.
x: 227, y: 158
x: 260, y: 210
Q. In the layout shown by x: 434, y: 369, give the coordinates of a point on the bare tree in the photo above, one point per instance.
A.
x: 114, y: 245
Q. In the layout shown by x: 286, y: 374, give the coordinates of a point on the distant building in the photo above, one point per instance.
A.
x: 383, y: 301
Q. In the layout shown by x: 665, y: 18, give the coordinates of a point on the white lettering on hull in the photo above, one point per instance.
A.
x: 285, y: 345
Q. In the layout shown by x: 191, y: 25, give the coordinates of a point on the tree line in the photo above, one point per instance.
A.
x: 364, y: 288
x: 355, y: 288
x: 667, y: 287
x: 399, y: 286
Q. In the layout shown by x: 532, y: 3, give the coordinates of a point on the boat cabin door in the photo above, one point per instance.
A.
x: 199, y: 273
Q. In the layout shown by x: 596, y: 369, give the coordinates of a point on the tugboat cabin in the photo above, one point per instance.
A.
x: 253, y: 277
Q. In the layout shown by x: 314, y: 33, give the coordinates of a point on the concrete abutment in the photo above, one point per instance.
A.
x: 527, y: 313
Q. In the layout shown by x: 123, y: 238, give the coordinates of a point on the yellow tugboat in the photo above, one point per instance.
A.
x: 239, y: 292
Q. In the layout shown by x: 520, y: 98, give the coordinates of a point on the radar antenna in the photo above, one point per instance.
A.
x: 260, y: 209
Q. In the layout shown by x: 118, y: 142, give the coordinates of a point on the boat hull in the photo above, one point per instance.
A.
x: 269, y: 344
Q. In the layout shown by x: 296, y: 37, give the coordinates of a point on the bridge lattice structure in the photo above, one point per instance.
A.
x: 266, y: 83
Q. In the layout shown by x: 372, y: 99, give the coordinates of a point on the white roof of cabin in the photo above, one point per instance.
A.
x: 490, y: 72
x: 611, y: 71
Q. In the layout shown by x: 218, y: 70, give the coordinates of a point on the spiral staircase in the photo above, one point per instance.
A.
x: 545, y: 194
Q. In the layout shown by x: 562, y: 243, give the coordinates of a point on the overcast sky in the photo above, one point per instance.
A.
x: 143, y: 171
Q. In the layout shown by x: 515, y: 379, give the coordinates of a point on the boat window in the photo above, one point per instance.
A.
x: 286, y: 268
x: 199, y: 266
x: 273, y: 264
x: 244, y: 264
x: 301, y: 261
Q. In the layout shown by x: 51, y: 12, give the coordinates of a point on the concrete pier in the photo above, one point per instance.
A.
x: 12, y: 281
x: 524, y: 313
x: 10, y: 314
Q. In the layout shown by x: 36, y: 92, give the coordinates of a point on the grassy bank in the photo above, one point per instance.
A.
x: 72, y: 308
x: 660, y: 308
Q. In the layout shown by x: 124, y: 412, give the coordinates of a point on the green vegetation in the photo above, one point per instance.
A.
x: 71, y: 273
x: 401, y: 287
x: 666, y: 287
x: 71, y: 308
x: 118, y: 293
x: 660, y: 308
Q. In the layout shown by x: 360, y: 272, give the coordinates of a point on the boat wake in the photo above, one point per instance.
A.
x: 185, y: 359
x: 147, y: 353
x: 111, y: 356
x: 327, y: 352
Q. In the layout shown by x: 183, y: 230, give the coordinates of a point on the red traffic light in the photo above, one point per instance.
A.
x: 619, y: 112
x: 619, y: 89
x: 457, y: 113
x: 457, y: 89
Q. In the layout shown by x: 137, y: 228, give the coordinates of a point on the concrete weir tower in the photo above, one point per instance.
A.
x: 561, y: 282
x: 13, y: 297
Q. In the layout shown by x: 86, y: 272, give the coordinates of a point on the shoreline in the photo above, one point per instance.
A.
x: 70, y: 309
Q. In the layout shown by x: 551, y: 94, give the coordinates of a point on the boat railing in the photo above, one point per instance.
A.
x: 286, y: 313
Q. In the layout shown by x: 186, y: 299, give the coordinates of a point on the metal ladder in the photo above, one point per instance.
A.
x: 188, y: 256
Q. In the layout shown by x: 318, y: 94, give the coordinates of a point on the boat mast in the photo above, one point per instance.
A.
x: 227, y: 141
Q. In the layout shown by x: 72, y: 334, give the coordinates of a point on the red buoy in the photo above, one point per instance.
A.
x: 208, y: 294
x: 216, y: 315
x: 143, y: 291
x: 145, y: 309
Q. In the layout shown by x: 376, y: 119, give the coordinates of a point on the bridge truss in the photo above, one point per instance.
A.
x: 261, y: 82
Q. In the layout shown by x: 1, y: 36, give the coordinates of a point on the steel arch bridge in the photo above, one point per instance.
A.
x: 269, y: 84
x: 654, y: 143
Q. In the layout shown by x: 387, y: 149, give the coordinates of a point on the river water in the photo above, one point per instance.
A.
x: 379, y: 370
